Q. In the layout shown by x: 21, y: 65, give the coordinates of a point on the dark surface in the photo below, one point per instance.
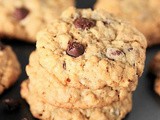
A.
x: 146, y: 104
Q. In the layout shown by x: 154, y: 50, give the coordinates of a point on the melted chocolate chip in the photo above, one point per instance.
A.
x: 84, y: 23
x: 10, y: 104
x: 116, y: 52
x: 20, y: 13
x: 75, y: 49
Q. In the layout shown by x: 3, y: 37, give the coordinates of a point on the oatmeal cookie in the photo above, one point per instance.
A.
x: 22, y: 19
x: 57, y: 94
x: 9, y: 67
x: 144, y: 14
x: 45, y: 111
x: 91, y: 50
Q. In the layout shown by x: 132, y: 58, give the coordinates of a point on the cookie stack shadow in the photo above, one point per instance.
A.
x: 75, y: 74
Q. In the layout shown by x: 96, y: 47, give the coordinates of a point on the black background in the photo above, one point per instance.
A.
x: 146, y: 104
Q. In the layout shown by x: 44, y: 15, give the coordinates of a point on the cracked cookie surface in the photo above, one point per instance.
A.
x: 144, y: 14
x: 92, y: 49
x: 9, y: 68
x: 45, y: 111
x: 22, y: 19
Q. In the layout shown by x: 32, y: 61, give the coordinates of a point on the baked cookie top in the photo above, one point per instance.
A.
x: 9, y: 67
x: 144, y: 14
x: 92, y: 49
x: 24, y: 18
x: 45, y: 111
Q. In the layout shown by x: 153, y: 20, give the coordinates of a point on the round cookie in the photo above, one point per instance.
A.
x: 44, y: 111
x: 22, y: 19
x: 92, y: 49
x: 55, y: 93
x: 9, y: 67
x: 144, y: 14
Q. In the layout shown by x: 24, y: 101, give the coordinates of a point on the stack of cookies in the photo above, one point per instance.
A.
x: 86, y: 66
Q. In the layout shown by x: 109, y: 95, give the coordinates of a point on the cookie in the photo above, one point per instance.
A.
x: 143, y: 14
x: 22, y: 19
x: 9, y: 67
x: 57, y: 94
x: 89, y: 49
x: 45, y: 111
x: 157, y: 86
x: 155, y: 69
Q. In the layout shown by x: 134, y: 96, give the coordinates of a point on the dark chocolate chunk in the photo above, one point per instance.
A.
x: 75, y: 49
x: 84, y: 23
x: 20, y: 13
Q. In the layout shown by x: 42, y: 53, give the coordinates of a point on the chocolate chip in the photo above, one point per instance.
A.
x: 75, y: 49
x: 130, y: 49
x: 2, y: 47
x: 20, y: 13
x: 114, y: 53
x: 84, y: 23
x: 10, y: 104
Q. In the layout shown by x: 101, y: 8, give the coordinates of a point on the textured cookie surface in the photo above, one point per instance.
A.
x: 92, y: 49
x: 24, y: 18
x: 9, y: 67
x: 144, y: 14
x: 57, y: 94
x: 44, y: 111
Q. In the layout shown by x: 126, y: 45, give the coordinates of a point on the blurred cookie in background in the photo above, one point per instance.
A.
x: 22, y: 19
x: 9, y: 67
x: 143, y: 14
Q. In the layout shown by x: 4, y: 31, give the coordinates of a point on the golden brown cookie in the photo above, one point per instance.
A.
x: 57, y: 94
x: 9, y: 67
x: 91, y: 50
x: 45, y: 111
x: 144, y: 14
x: 22, y: 19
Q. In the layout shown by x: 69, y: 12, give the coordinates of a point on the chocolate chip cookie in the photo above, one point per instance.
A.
x: 143, y: 14
x: 155, y: 69
x: 45, y: 111
x: 22, y: 19
x: 92, y: 49
x: 9, y: 67
x: 52, y: 91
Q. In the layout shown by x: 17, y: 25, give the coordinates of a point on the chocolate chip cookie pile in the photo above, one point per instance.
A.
x: 86, y: 66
